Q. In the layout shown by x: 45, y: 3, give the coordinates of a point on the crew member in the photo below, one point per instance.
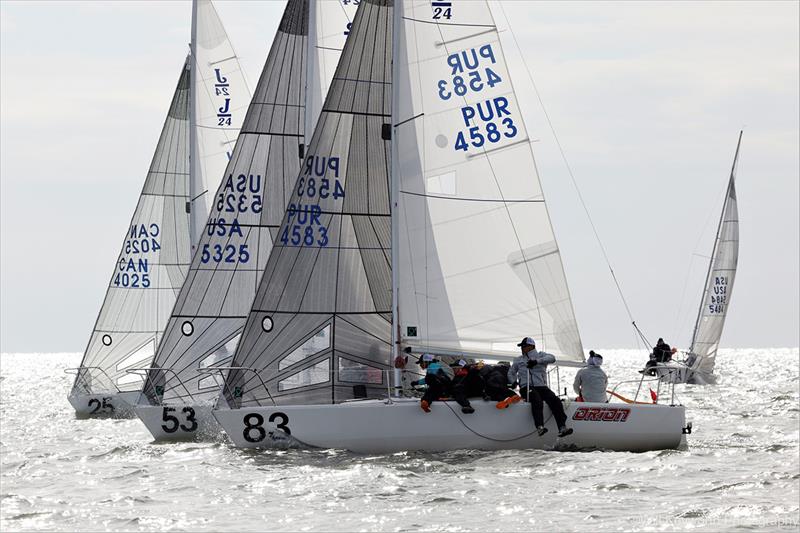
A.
x: 530, y: 370
x: 438, y: 378
x: 467, y: 383
x: 496, y: 389
x: 590, y: 381
x: 662, y: 351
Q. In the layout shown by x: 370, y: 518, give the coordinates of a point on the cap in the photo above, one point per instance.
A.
x: 527, y: 341
x: 461, y: 362
x: 425, y: 358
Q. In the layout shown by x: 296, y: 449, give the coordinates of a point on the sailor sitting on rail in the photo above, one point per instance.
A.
x: 590, y: 381
x: 530, y: 370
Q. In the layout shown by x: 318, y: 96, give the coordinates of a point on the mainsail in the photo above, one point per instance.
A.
x: 319, y: 327
x: 151, y: 265
x: 479, y: 266
x: 212, y: 306
x: 719, y: 281
x: 217, y: 105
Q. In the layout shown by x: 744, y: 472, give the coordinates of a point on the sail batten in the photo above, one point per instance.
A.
x: 218, y: 102
x: 319, y: 324
x: 151, y: 265
x: 209, y: 317
x: 467, y: 181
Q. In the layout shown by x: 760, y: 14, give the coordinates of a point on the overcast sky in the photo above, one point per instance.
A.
x: 647, y: 100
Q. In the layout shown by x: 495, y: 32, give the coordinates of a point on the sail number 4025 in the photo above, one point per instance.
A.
x: 254, y: 426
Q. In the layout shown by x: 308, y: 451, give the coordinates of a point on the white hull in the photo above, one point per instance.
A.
x: 179, y: 423
x: 676, y: 372
x: 374, y: 426
x: 104, y: 404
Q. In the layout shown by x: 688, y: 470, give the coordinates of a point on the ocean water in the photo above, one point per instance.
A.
x: 741, y: 471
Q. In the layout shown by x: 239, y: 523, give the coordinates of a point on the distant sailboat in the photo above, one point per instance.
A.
x: 202, y: 122
x: 715, y: 301
x: 207, y: 320
x: 431, y: 231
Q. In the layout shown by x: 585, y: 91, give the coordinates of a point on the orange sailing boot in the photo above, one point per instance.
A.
x: 425, y: 406
x: 503, y: 404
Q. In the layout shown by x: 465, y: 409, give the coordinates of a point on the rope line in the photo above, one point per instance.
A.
x: 572, y: 178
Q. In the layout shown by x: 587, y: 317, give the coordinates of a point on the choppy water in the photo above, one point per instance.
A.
x: 741, y: 471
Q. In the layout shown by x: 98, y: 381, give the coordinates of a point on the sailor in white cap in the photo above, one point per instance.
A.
x: 530, y: 370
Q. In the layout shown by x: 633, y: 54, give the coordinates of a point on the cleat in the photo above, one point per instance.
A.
x: 425, y: 406
x: 467, y: 410
x: 563, y: 432
x: 541, y: 430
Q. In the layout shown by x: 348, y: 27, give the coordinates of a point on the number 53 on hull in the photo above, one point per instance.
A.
x: 180, y: 422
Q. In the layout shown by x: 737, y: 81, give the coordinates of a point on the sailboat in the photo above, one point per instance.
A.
x: 432, y: 234
x: 698, y: 367
x: 201, y: 126
x: 207, y: 320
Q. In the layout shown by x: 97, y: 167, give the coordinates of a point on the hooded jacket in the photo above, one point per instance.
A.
x: 519, y: 368
x: 590, y: 383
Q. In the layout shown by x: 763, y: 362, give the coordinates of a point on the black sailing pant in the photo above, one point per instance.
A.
x: 539, y: 394
x: 468, y: 386
x: 498, y: 393
x: 438, y: 387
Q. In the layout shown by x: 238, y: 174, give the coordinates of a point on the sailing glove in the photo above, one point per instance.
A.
x: 532, y: 363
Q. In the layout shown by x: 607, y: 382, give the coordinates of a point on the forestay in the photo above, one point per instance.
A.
x: 719, y: 282
x: 151, y: 266
x: 479, y: 266
x: 247, y: 208
x: 319, y: 329
x: 219, y: 99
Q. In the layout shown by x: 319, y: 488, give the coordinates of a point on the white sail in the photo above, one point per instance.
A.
x: 319, y: 328
x: 151, y: 266
x: 248, y: 206
x: 219, y: 100
x: 719, y: 282
x: 479, y: 266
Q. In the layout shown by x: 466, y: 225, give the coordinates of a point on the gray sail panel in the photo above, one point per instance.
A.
x: 152, y: 263
x: 324, y: 302
x: 246, y: 210
x: 719, y: 287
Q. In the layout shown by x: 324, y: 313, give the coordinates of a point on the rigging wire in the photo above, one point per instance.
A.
x: 572, y: 178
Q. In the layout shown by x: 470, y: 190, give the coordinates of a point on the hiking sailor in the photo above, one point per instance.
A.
x: 496, y: 389
x: 438, y: 378
x: 467, y: 383
x: 530, y: 370
x: 590, y: 381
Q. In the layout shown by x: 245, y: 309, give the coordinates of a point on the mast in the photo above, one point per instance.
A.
x: 716, y: 243
x: 394, y: 193
x: 193, y: 155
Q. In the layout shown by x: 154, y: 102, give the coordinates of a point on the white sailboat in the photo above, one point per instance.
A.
x: 202, y: 123
x: 462, y: 260
x: 698, y: 368
x: 207, y: 320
